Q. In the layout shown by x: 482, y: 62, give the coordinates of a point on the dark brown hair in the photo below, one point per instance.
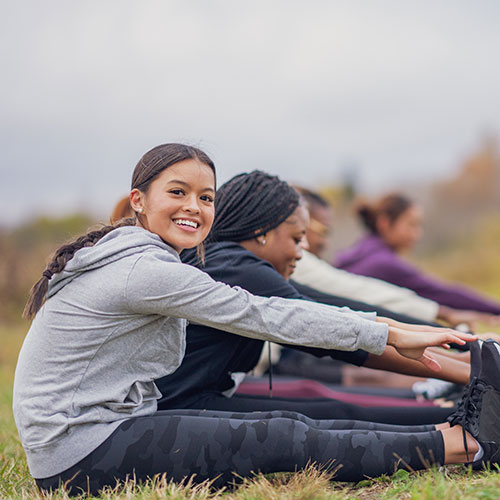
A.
x: 391, y: 206
x: 149, y: 167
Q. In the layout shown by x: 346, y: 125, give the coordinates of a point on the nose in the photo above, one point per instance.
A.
x: 299, y: 249
x: 304, y: 243
x: 191, y: 204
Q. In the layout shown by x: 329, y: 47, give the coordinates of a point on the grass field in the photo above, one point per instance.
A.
x: 444, y: 483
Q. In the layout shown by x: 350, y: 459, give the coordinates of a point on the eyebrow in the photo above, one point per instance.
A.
x: 176, y: 181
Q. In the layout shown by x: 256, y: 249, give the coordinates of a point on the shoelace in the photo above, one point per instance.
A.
x: 468, y: 410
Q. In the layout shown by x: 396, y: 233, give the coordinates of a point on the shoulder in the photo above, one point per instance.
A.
x: 223, y: 257
x: 232, y: 264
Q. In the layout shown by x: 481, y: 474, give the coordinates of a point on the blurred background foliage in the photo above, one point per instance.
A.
x: 25, y: 252
x: 461, y: 231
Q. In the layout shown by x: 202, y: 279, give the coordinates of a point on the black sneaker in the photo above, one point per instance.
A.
x: 478, y: 411
x: 475, y: 368
x: 475, y: 358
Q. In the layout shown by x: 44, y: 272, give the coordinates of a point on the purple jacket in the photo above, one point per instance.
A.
x: 372, y: 257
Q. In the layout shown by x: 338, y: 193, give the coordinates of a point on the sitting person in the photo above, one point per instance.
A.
x: 312, y: 271
x: 110, y: 314
x: 394, y: 226
x: 256, y: 240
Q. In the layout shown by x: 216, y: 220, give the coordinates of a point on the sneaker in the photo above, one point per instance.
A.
x: 475, y: 368
x: 433, y: 388
x: 479, y: 409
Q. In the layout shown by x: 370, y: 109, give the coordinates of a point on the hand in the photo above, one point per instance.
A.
x: 471, y: 318
x: 411, y: 341
x: 489, y: 335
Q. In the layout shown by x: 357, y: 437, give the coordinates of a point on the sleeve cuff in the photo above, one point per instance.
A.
x: 372, y: 337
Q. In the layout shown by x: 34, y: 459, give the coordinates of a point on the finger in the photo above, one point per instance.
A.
x: 456, y: 340
x: 443, y: 340
x: 430, y: 363
x: 460, y: 338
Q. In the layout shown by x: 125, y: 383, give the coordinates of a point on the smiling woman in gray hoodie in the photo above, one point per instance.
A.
x: 111, y: 311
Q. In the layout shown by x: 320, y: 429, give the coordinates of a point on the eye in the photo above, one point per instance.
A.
x: 207, y: 198
x: 177, y: 192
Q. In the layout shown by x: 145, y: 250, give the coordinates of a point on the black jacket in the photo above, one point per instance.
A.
x: 212, y: 355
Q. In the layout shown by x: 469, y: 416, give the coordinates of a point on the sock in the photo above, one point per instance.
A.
x: 479, y: 453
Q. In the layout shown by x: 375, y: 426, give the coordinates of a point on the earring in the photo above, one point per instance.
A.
x: 139, y: 210
x: 263, y: 241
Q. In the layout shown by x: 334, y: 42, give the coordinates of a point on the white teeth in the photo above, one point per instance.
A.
x: 185, y: 222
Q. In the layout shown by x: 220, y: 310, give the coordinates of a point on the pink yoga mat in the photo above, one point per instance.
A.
x: 310, y: 389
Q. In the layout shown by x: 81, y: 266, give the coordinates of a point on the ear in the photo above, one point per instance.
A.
x: 383, y: 224
x: 137, y: 200
x: 261, y: 240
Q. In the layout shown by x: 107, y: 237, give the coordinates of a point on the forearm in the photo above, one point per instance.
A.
x: 463, y: 356
x: 452, y: 370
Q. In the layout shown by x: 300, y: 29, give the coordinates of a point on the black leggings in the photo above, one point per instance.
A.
x: 317, y: 408
x: 211, y: 444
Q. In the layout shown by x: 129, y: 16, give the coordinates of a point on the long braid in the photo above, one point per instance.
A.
x: 250, y: 205
x: 61, y: 257
x: 149, y: 167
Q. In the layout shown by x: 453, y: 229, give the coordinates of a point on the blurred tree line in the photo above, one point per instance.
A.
x: 461, y: 238
x: 25, y: 252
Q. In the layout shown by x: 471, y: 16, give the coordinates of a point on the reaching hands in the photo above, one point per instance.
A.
x: 411, y: 341
x: 471, y: 318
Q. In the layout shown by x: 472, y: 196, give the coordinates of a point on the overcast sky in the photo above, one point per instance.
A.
x: 400, y: 91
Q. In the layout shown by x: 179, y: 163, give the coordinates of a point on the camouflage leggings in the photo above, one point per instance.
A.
x: 214, y: 444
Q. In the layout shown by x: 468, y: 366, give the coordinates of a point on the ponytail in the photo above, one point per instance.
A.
x: 368, y: 215
x: 391, y: 206
x: 61, y: 257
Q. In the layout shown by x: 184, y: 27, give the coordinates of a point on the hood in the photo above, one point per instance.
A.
x: 117, y: 244
x: 365, y: 248
x: 190, y: 256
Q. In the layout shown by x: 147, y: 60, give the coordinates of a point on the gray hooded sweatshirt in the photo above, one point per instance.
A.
x: 115, y: 319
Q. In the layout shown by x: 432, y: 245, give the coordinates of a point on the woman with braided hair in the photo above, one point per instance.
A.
x: 255, y: 243
x: 110, y: 316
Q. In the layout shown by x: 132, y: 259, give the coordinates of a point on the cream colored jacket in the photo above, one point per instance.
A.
x: 316, y: 273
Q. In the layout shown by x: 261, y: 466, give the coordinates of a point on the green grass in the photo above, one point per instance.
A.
x: 444, y: 483
x: 475, y: 262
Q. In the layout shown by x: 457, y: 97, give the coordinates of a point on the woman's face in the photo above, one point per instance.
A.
x: 403, y: 233
x: 179, y: 204
x: 284, y: 244
x: 319, y: 230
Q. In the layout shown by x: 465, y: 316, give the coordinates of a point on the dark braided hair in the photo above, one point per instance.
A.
x: 149, y: 167
x: 250, y: 205
x: 312, y: 198
x: 61, y: 257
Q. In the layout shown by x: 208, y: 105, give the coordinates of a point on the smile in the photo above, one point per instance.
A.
x: 186, y: 223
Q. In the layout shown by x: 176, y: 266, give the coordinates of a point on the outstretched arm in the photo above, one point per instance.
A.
x: 411, y: 341
x: 452, y: 370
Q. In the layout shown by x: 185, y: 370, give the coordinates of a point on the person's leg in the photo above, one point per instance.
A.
x: 313, y: 423
x: 322, y: 409
x: 311, y: 389
x: 183, y: 445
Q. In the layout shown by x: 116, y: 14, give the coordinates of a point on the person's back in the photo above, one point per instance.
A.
x: 371, y: 257
x: 85, y: 330
x: 394, y: 226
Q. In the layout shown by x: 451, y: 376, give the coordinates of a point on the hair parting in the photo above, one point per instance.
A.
x: 147, y: 169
